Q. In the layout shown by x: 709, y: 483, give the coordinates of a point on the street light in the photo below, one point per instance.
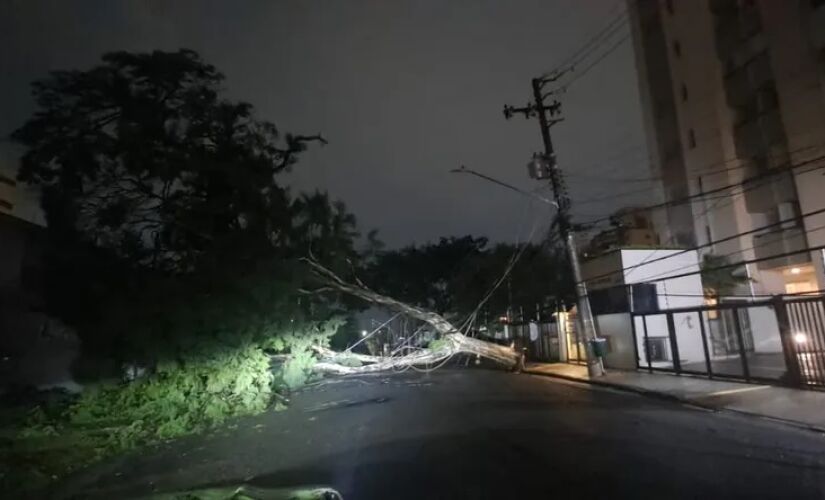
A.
x: 465, y: 170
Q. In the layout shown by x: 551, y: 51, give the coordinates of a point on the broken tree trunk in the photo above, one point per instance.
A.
x: 453, y: 341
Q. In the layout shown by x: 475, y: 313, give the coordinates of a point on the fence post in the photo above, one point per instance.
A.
x: 737, y: 324
x: 705, y: 349
x: 647, y: 344
x: 674, y: 346
x: 794, y: 374
x: 635, y: 339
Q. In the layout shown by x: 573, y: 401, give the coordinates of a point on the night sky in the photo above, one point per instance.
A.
x: 404, y: 91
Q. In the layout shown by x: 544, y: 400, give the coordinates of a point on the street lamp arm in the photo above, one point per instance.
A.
x: 465, y: 170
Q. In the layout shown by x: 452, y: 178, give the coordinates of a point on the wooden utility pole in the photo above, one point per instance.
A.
x: 544, y: 166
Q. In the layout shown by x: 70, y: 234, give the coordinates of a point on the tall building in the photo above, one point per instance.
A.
x: 733, y: 91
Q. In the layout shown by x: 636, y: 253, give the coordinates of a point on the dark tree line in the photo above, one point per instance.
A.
x: 453, y: 275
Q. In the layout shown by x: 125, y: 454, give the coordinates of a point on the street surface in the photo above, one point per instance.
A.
x: 469, y: 433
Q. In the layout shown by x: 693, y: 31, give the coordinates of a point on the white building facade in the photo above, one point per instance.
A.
x: 733, y: 94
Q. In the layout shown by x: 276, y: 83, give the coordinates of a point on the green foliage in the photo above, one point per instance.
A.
x: 216, y: 379
x: 720, y: 281
x: 173, y: 247
x: 298, y: 366
x: 197, y: 393
x: 437, y: 344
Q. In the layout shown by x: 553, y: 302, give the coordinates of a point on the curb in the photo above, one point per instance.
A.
x: 686, y: 401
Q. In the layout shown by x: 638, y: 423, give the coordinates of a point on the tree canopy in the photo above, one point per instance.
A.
x: 142, y: 155
x: 163, y: 200
x: 453, y: 275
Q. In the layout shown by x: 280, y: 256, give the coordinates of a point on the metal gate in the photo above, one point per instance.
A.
x: 806, y: 321
x: 775, y: 341
x: 539, y: 340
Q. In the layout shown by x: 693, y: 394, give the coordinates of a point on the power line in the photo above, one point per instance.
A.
x: 685, y: 199
x: 730, y: 197
x: 753, y: 247
x: 582, y: 51
x: 581, y: 74
x: 738, y: 264
x: 465, y: 170
x: 710, y: 243
x: 628, y: 193
x: 711, y: 168
x: 673, y: 236
x: 744, y: 296
x: 612, y: 196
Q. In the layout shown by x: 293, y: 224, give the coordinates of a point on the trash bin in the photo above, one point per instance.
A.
x: 599, y: 347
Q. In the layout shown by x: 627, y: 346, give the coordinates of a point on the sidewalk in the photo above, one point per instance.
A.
x: 793, y: 406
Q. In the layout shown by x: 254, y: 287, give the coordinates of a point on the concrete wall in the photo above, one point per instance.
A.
x: 644, y: 265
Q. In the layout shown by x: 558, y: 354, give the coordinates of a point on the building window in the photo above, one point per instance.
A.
x: 677, y: 48
x: 684, y: 92
x: 691, y: 139
x: 669, y: 6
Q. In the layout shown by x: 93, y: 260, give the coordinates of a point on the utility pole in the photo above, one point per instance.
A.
x: 544, y: 166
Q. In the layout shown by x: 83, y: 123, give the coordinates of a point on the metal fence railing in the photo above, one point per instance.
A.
x: 778, y: 341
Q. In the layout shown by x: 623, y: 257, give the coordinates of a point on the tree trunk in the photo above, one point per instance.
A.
x: 453, y: 341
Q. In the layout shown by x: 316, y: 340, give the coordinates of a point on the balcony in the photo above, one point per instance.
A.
x: 738, y: 89
x: 759, y: 70
x: 728, y: 37
x: 747, y: 139
x: 751, y: 21
x: 763, y: 195
x: 779, y: 242
x: 757, y: 136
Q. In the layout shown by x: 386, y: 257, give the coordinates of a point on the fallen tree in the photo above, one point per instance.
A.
x: 451, y: 343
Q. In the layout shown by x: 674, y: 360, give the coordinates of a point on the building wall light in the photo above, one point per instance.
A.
x: 800, y: 338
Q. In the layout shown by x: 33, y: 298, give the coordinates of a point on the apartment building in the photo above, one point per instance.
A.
x: 733, y: 93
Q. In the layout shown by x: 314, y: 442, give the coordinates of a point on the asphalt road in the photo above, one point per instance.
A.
x: 481, y: 434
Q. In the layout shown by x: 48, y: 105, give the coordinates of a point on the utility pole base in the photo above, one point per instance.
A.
x: 595, y: 369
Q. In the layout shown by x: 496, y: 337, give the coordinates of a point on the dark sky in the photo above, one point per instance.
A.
x: 403, y: 90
